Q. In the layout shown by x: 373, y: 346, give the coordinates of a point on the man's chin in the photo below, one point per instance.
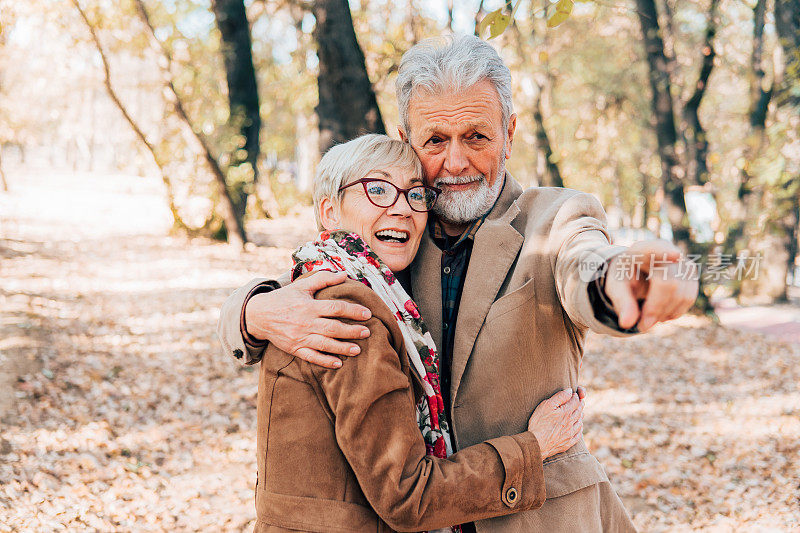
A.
x: 464, y: 210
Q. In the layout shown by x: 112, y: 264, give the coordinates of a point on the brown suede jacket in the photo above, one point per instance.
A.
x: 340, y: 450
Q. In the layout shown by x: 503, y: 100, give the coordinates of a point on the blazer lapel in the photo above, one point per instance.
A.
x: 493, y: 253
x: 426, y: 285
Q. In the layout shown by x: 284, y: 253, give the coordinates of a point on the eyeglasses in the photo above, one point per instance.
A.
x: 382, y: 193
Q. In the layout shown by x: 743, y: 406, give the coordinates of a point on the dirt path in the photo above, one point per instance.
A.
x: 118, y: 413
x: 781, y: 321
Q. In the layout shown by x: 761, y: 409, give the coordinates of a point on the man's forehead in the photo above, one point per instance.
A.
x: 476, y: 107
x: 433, y: 126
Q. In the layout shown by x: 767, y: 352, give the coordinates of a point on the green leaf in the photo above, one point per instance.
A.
x: 499, y: 26
x: 496, y: 21
x: 557, y: 18
x: 564, y: 6
x: 487, y: 21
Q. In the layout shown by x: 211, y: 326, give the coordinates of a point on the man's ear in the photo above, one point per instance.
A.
x: 512, y: 127
x: 402, y: 134
x: 329, y: 214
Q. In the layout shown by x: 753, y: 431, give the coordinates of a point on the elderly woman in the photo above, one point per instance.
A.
x: 367, y: 447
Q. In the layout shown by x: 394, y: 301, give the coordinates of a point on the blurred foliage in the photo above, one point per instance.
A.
x: 588, y: 76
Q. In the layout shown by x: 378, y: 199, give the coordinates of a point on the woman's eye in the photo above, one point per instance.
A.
x: 434, y: 140
x: 376, y: 188
x: 416, y: 195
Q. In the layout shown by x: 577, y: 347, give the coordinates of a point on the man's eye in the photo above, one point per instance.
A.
x: 434, y: 140
x: 479, y: 136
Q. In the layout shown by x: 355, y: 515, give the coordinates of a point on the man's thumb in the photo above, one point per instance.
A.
x: 624, y: 303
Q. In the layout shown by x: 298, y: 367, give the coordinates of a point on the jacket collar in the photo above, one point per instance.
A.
x: 494, y: 251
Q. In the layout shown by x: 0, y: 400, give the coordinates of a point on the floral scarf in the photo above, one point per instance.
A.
x: 343, y: 251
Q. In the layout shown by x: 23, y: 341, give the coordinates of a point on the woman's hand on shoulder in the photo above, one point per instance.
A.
x: 557, y: 422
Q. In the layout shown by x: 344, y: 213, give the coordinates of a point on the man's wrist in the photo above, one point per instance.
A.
x: 602, y: 307
x: 261, y: 288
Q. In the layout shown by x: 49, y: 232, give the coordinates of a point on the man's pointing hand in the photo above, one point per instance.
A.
x: 653, y: 272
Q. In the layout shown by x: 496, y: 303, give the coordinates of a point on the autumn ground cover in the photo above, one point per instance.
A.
x: 119, y: 413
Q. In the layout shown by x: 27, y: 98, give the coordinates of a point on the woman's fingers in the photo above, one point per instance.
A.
x: 560, y: 398
x: 576, y: 414
x: 576, y: 434
x: 570, y: 404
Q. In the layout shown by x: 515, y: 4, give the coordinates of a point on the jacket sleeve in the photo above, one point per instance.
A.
x: 372, y: 403
x: 581, y: 246
x: 230, y: 327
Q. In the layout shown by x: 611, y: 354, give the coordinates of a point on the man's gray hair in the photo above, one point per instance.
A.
x: 451, y: 63
x: 355, y: 159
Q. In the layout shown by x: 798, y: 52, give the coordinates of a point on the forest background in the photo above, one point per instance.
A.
x: 137, y: 137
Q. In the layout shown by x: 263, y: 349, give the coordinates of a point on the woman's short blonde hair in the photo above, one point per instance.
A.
x: 355, y: 159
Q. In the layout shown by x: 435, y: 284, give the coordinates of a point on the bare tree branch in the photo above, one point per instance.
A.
x: 235, y: 227
x: 112, y: 93
x: 693, y: 132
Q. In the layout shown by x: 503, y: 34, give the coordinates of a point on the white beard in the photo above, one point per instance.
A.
x: 460, y: 207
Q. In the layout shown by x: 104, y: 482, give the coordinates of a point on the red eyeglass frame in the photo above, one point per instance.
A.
x: 364, y: 181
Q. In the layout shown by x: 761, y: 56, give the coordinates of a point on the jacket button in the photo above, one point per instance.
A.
x: 511, y: 495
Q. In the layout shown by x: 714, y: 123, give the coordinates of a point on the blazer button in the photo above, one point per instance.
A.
x: 511, y: 495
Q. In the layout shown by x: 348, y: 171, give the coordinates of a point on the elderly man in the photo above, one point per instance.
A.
x: 508, y: 280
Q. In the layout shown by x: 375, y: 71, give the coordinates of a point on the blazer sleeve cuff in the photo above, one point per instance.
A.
x: 591, y: 302
x: 249, y: 340
x: 523, y: 486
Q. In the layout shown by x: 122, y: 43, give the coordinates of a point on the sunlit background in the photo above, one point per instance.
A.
x: 118, y: 410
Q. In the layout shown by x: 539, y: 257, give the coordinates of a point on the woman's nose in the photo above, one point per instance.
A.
x: 401, y: 207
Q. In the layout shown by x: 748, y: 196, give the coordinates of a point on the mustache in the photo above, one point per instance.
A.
x: 457, y: 180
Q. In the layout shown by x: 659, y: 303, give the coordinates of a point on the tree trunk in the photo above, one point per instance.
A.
x: 244, y: 120
x: 234, y: 227
x: 551, y: 177
x: 547, y: 171
x: 664, y: 118
x: 450, y: 15
x: 787, y: 22
x: 694, y: 133
x: 347, y: 104
x: 478, y: 16
x: 790, y: 227
x: 747, y: 232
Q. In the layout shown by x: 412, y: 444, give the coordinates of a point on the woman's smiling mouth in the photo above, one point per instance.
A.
x: 393, y: 236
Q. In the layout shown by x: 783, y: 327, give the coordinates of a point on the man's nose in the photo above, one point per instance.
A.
x: 455, y: 162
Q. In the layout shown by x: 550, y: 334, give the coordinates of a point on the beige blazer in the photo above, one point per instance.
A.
x: 519, y: 338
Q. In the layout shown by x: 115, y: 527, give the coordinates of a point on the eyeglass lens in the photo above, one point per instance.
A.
x: 384, y: 194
